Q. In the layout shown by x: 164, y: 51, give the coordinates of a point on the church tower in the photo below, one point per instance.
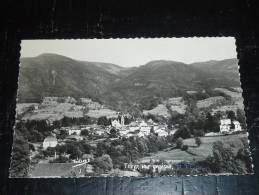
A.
x: 122, y: 120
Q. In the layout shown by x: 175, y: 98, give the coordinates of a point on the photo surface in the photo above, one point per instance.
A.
x: 129, y: 107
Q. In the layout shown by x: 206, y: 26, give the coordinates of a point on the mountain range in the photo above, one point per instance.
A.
x: 117, y: 86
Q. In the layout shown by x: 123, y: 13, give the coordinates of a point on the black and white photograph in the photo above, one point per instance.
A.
x: 129, y: 107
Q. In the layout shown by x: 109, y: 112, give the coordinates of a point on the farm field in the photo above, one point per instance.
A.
x: 198, y: 153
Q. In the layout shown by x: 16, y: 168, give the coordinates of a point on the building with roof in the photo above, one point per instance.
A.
x: 74, y: 131
x: 161, y: 133
x: 50, y: 141
x: 228, y: 126
x: 116, y: 124
x: 225, y: 125
x: 237, y: 126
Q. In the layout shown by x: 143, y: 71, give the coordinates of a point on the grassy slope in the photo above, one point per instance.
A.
x: 202, y: 152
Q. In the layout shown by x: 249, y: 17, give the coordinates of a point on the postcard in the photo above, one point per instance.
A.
x: 129, y: 107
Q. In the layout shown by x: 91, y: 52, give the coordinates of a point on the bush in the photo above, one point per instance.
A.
x: 179, y: 143
x: 183, y: 132
x: 84, y: 132
x: 103, y: 121
x: 184, y: 147
x: 62, y: 135
x: 49, y: 152
x: 198, y: 133
x: 103, y: 163
x: 113, y: 133
x: 198, y: 141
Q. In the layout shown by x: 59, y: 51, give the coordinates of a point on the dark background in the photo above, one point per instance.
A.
x: 51, y: 19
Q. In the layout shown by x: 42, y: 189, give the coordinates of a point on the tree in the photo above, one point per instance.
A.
x: 56, y: 124
x: 182, y: 132
x: 198, y: 141
x: 63, y: 134
x: 85, y: 147
x: 223, y: 160
x: 113, y: 132
x: 152, y: 143
x: 85, y: 132
x: 211, y: 123
x: 104, y: 163
x: 20, y: 156
x: 103, y: 121
x: 152, y: 130
x: 102, y: 148
x: 185, y: 147
x: 241, y: 117
x: 74, y: 150
x: 231, y: 115
x: 243, y: 154
x: 49, y: 152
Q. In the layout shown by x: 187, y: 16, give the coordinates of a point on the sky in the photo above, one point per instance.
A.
x: 135, y: 52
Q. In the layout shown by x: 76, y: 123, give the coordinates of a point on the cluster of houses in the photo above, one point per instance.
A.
x: 140, y: 128
x: 227, y: 126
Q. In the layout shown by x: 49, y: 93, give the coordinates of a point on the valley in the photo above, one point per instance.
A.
x: 92, y: 118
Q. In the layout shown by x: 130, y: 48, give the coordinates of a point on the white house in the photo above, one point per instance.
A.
x: 50, y: 142
x: 143, y: 124
x: 116, y: 124
x: 225, y: 125
x: 145, y: 130
x: 36, y: 107
x: 133, y: 128
x: 70, y: 100
x: 74, y: 131
x: 161, y: 133
x: 141, y: 134
x: 237, y: 126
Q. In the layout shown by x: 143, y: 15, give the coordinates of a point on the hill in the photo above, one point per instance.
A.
x: 225, y: 69
x: 120, y: 88
x: 56, y: 75
x: 111, y: 68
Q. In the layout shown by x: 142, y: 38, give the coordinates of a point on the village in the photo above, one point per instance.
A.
x: 138, y: 128
x: 110, y: 125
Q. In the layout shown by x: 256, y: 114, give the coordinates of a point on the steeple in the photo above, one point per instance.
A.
x: 122, y: 120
